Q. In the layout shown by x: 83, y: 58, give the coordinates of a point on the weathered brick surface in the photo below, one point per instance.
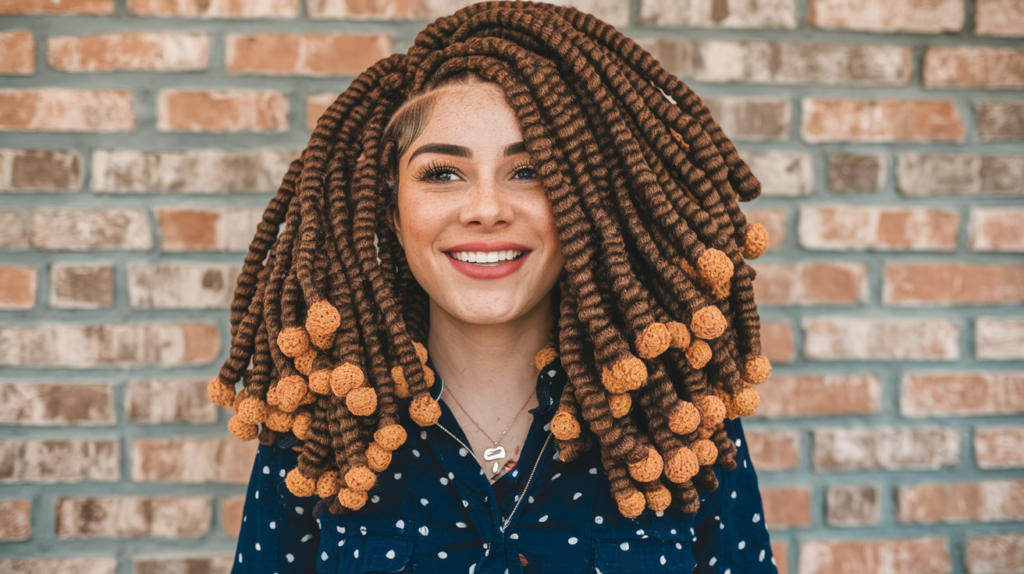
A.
x: 857, y: 173
x: 100, y: 565
x: 17, y: 52
x: 835, y: 338
x: 66, y: 110
x: 221, y: 111
x: 846, y: 120
x: 57, y: 7
x: 903, y: 556
x: 725, y: 14
x: 974, y: 67
x: 316, y: 105
x: 995, y: 554
x: 754, y: 119
x: 231, y: 514
x: 915, y: 16
x: 193, y: 171
x: 220, y: 564
x: 786, y: 507
x: 150, y: 51
x: 961, y: 174
x: 215, y: 8
x: 773, y: 449
x: 998, y: 339
x: 182, y: 286
x: 56, y: 404
x: 154, y: 402
x: 885, y: 448
x: 192, y: 460
x: 15, y: 521
x: 75, y: 286
x: 18, y: 287
x: 158, y: 344
x: 780, y: 553
x: 996, y: 229
x: 1000, y: 120
x: 777, y: 341
x: 774, y: 221
x: 819, y: 395
x: 810, y: 283
x: 90, y: 229
x: 783, y: 174
x: 999, y: 18
x: 852, y: 505
x: 305, y: 54
x: 983, y: 501
x: 226, y: 229
x: 71, y: 460
x: 926, y: 284
x: 941, y: 393
x: 130, y: 517
x: 999, y: 447
x: 40, y: 170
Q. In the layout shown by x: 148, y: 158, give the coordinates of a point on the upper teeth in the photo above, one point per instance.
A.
x: 485, y: 256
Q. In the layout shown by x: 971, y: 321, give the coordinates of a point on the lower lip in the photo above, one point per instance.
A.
x: 489, y: 272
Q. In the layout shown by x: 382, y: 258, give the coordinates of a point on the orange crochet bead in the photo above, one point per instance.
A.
x: 708, y: 323
x: 323, y: 341
x: 685, y: 418
x: 698, y: 354
x: 300, y: 425
x: 344, y: 378
x: 377, y: 457
x: 757, y: 370
x: 649, y: 468
x: 241, y: 396
x: 320, y: 381
x: 712, y: 410
x: 653, y: 341
x: 279, y: 421
x: 704, y: 431
x: 706, y: 452
x: 424, y: 410
x: 327, y: 485
x: 252, y: 411
x: 659, y: 498
x: 299, y: 484
x: 631, y: 502
x: 746, y: 401
x: 362, y: 401
x: 293, y: 341
x: 626, y: 374
x: 428, y: 376
x: 220, y: 394
x: 360, y: 477
x: 755, y: 241
x: 714, y: 266
x: 304, y: 362
x: 679, y: 333
x: 272, y: 399
x: 322, y: 318
x: 290, y: 391
x: 544, y: 357
x: 619, y: 405
x: 390, y: 437
x: 681, y: 465
x: 307, y: 399
x: 352, y: 498
x: 565, y: 426
x: 421, y: 352
x: 241, y: 429
x: 401, y: 385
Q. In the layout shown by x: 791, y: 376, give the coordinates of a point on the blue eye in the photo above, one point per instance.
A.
x: 531, y: 173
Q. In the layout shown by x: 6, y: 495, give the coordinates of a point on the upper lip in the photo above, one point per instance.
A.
x: 487, y: 246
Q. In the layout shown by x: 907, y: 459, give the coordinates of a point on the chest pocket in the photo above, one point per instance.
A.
x: 643, y: 555
x: 364, y: 554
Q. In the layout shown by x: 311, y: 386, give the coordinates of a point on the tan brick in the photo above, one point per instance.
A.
x: 999, y: 18
x: 973, y: 67
x: 809, y: 283
x: 87, y: 286
x: 224, y: 229
x: 995, y: 554
x: 614, y: 13
x: 786, y: 507
x: 996, y: 229
x: 1000, y: 121
x: 782, y: 174
x: 72, y: 460
x: 838, y: 338
x: 982, y: 501
x: 101, y: 565
x: 943, y: 393
x: 157, y: 344
x: 219, y: 564
x: 37, y: 170
x: 999, y: 447
x: 773, y: 449
x: 926, y: 284
x: 852, y: 505
x: 17, y: 52
x: 192, y: 171
x: 857, y: 173
x: 154, y: 402
x: 129, y: 51
x: 215, y: 8
x: 907, y: 556
x: 57, y: 7
x: 885, y: 448
x: 998, y: 339
x: 854, y: 227
x: 843, y: 120
x: 231, y: 510
x: 305, y: 54
x: 193, y: 460
x: 133, y: 517
x: 316, y: 105
x: 66, y: 110
x: 749, y: 118
x: 18, y: 287
x: 222, y: 111
x: 721, y: 14
x: 12, y: 230
x: 915, y: 16
x: 89, y: 229
x: 773, y: 220
x: 780, y: 551
x: 15, y: 521
x: 961, y: 174
x: 819, y: 395
x: 56, y: 404
x: 777, y: 341
x: 182, y: 286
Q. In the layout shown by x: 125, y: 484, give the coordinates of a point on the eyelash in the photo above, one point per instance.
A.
x: 436, y: 167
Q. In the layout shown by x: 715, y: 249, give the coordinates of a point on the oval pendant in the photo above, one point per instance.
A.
x: 494, y: 453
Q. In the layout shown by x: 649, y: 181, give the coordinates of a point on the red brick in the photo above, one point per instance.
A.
x: 1000, y: 120
x: 842, y: 120
x: 996, y: 229
x: 316, y: 105
x: 777, y: 341
x: 720, y: 14
x: 998, y: 339
x: 227, y: 111
x: 886, y: 448
x: 15, y: 521
x: 182, y: 286
x: 995, y: 554
x: 219, y: 564
x: 819, y: 395
x: 215, y: 8
x: 999, y: 18
x: 780, y: 550
x: 101, y: 565
x: 305, y: 54
x: 961, y: 174
x: 774, y: 220
x: 224, y: 229
x: 943, y: 393
x: 999, y: 447
x: 17, y: 52
x: 131, y: 51
x: 926, y: 284
x: 752, y: 118
x: 774, y: 449
x: 56, y: 404
x: 156, y: 344
x: 66, y: 110
x: 57, y: 7
x: 37, y: 170
x: 231, y: 515
x: 786, y: 507
x: 907, y: 556
x: 73, y: 460
x: 982, y: 501
x: 81, y: 286
x: 782, y: 174
x: 973, y: 67
x: 857, y: 173
x: 381, y: 10
x: 810, y: 283
x: 853, y: 505
x: 192, y: 460
x: 839, y: 338
x: 18, y: 287
x: 191, y: 171
x: 12, y: 230
x: 915, y: 16
x: 154, y: 402
x: 90, y: 229
x: 133, y: 517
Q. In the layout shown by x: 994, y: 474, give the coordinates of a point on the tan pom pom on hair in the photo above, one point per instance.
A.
x: 653, y: 341
x: 272, y: 399
x: 360, y: 477
x: 756, y: 241
x: 565, y: 426
x: 401, y: 385
x: 344, y: 378
x: 362, y: 401
x: 421, y: 352
x: 242, y: 430
x: 708, y: 323
x: 252, y: 410
x: 631, y: 502
x: 390, y: 437
x: 424, y: 410
x: 323, y: 341
x: 241, y: 396
x: 712, y: 410
x: 428, y: 376
x: 377, y: 457
x: 327, y: 485
x: 627, y: 374
x: 304, y: 362
x: 293, y: 341
x: 681, y: 465
x: 279, y: 421
x: 300, y: 425
x: 698, y: 354
x: 659, y: 498
x: 322, y: 318
x: 757, y: 370
x: 679, y: 333
x: 351, y: 498
x: 290, y: 391
x: 715, y: 266
x: 649, y: 468
x: 706, y: 452
x: 544, y: 357
x: 320, y: 381
x: 299, y: 484
x: 619, y: 405
x: 685, y: 418
x: 220, y: 394
x: 746, y: 401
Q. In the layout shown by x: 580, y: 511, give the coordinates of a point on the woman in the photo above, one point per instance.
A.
x: 507, y: 326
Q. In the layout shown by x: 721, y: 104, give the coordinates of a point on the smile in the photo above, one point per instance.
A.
x: 486, y: 258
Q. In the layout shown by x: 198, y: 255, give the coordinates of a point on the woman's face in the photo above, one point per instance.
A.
x: 472, y: 216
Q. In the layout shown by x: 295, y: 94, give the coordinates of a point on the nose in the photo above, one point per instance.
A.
x: 487, y: 206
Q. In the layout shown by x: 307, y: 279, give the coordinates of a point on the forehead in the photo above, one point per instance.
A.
x: 471, y: 114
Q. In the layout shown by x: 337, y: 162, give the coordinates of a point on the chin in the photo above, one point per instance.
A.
x: 488, y: 312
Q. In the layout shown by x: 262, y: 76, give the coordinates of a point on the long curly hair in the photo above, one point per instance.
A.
x: 657, y: 327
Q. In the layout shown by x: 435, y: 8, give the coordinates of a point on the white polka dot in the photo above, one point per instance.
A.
x: 660, y: 513
x: 465, y: 504
x: 547, y: 427
x: 624, y: 546
x: 341, y: 530
x: 460, y: 524
x: 773, y: 561
x: 400, y: 524
x: 744, y: 463
x: 323, y: 555
x: 577, y: 496
x: 640, y: 532
x: 356, y: 553
x: 266, y: 470
x: 299, y: 510
x: 742, y: 544
x: 416, y: 453
x: 257, y: 495
x: 282, y: 473
x: 739, y: 442
x: 444, y: 480
x: 530, y: 500
x: 258, y: 546
x: 543, y: 518
x: 442, y: 555
x: 390, y: 555
x: 593, y: 470
x: 244, y: 517
x: 472, y: 568
x: 721, y: 526
x: 239, y: 556
x: 757, y: 517
x: 289, y: 558
x: 551, y: 373
x: 273, y: 525
x: 598, y: 519
x: 734, y: 494
x: 515, y: 473
x: 423, y: 434
x: 573, y: 541
x: 424, y: 501
x: 341, y: 543
x: 362, y: 530
x: 514, y: 536
x: 727, y: 571
x: 375, y: 499
x: 424, y: 530
x: 305, y: 538
x: 760, y: 557
x: 398, y: 476
x: 557, y: 474
x: 663, y: 560
x: 463, y: 452
x: 680, y: 546
x: 712, y: 561
x: 451, y: 476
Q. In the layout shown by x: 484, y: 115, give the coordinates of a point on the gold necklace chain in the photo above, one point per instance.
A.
x: 519, y: 412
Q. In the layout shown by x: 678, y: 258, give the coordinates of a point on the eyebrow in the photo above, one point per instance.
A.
x: 461, y: 151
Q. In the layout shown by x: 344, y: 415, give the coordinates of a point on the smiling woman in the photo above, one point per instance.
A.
x: 508, y: 325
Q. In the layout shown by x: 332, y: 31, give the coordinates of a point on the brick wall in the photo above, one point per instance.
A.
x: 140, y: 139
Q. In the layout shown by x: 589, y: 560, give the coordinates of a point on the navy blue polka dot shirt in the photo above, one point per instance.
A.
x: 434, y: 510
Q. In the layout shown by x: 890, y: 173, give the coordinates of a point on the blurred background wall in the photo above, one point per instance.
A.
x: 140, y: 139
